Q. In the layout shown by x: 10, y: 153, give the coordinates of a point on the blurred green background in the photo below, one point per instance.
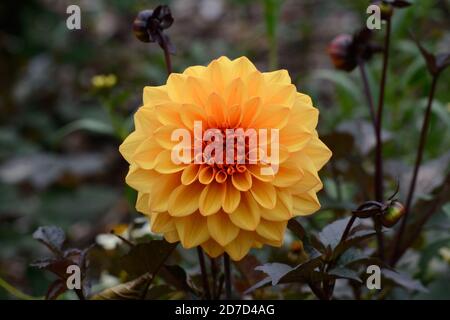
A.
x: 60, y: 132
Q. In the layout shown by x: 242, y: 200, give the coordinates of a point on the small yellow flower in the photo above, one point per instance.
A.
x: 102, y: 81
x: 225, y: 207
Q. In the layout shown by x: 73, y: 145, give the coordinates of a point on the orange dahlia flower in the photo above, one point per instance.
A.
x: 225, y: 207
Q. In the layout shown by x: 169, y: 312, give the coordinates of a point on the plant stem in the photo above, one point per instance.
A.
x: 153, y: 275
x: 348, y: 228
x: 227, y: 269
x: 379, y: 147
x: 419, y: 156
x: 201, y: 260
x: 166, y: 53
x: 368, y: 93
x: 214, y: 277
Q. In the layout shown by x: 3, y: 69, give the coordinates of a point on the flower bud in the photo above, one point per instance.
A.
x: 140, y: 25
x: 341, y: 52
x: 393, y: 214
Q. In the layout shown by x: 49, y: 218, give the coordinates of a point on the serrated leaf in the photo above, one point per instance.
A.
x: 332, y: 233
x: 147, y: 257
x: 51, y: 236
x: 275, y: 271
x: 403, y: 280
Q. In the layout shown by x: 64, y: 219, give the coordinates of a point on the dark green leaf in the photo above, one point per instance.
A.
x: 147, y: 257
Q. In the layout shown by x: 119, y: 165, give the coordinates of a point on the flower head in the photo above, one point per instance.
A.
x: 225, y: 206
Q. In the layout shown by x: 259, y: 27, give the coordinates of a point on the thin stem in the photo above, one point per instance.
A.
x: 80, y: 294
x: 379, y: 147
x: 419, y: 156
x: 368, y: 93
x: 153, y: 275
x: 227, y: 269
x: 201, y: 260
x: 348, y: 228
x: 166, y: 53
x: 214, y: 277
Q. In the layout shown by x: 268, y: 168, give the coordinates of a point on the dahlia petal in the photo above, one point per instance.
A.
x: 250, y: 111
x: 190, y: 174
x: 215, y: 108
x: 283, y: 209
x: 140, y: 179
x: 192, y: 230
x: 242, y: 67
x: 220, y: 73
x: 163, y: 136
x: 240, y: 246
x: 184, y: 200
x: 221, y: 228
x: 212, y: 248
x: 242, y: 181
x: 288, y: 174
x: 306, y: 115
x: 168, y: 114
x: 177, y: 88
x: 318, y: 152
x: 145, y: 121
x: 272, y: 117
x: 129, y: 146
x: 211, y: 198
x: 191, y: 113
x: 195, y: 71
x: 306, y: 203
x: 142, y: 203
x: 271, y: 230
x: 199, y: 90
x: 256, y: 171
x: 232, y: 198
x: 147, y: 153
x: 247, y: 214
x: 294, y: 138
x: 172, y: 236
x: 255, y: 84
x: 234, y: 93
x: 234, y: 116
x: 282, y: 94
x: 159, y: 196
x: 164, y: 163
x: 161, y: 222
x: 155, y: 95
x: 310, y: 177
x: 206, y: 174
x: 279, y: 76
x: 264, y: 193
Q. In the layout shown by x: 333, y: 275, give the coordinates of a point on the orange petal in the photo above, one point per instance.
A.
x: 242, y: 181
x: 221, y: 228
x: 264, y: 193
x: 283, y: 209
x: 240, y: 246
x: 232, y: 198
x: 211, y: 198
x: 184, y: 200
x: 190, y: 174
x: 247, y: 214
x: 161, y: 222
x: 192, y: 230
x: 212, y: 248
x: 271, y: 230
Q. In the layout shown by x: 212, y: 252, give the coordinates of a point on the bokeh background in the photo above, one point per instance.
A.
x: 60, y: 125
